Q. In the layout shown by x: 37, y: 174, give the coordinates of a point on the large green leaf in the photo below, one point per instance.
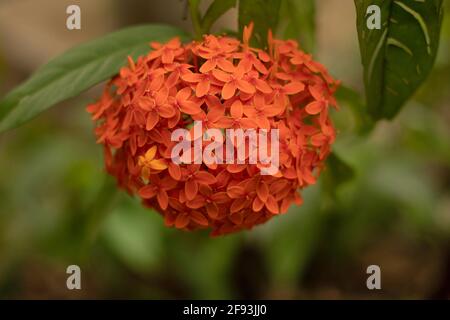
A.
x: 215, y: 11
x: 264, y: 15
x: 398, y: 57
x: 297, y: 21
x: 77, y: 70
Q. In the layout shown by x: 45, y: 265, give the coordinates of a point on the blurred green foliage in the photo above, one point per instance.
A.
x: 58, y: 207
x: 51, y: 177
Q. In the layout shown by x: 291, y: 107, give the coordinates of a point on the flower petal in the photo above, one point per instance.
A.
x: 152, y: 120
x: 272, y: 111
x: 272, y: 205
x: 202, y: 88
x: 182, y: 220
x: 221, y: 76
x: 147, y: 192
x: 190, y: 107
x: 285, y: 203
x: 257, y: 204
x: 212, y: 210
x: 314, y: 107
x: 191, y: 189
x: 158, y: 164
x: 247, y: 123
x: 174, y: 171
x: 260, y: 66
x: 236, y: 168
x: 150, y: 154
x: 172, y: 122
x: 205, y: 178
x: 263, y: 86
x: 225, y: 65
x: 163, y: 199
x: 196, y: 203
x: 237, y: 218
x: 238, y: 205
x: 245, y: 86
x: 220, y: 197
x: 237, y: 109
x: 199, y: 218
x: 228, y: 90
x: 166, y: 111
x: 146, y: 103
x: 262, y: 190
x: 235, y: 192
x: 208, y: 66
x: 183, y: 94
x: 293, y: 87
x: 191, y: 77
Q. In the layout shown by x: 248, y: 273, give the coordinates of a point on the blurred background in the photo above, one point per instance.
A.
x: 392, y: 211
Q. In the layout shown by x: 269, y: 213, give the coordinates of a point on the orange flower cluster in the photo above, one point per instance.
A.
x: 224, y: 83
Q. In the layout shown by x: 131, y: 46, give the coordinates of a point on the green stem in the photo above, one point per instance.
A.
x: 196, y: 18
x: 97, y: 211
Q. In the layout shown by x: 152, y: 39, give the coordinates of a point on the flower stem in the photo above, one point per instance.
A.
x: 196, y: 18
x: 97, y: 211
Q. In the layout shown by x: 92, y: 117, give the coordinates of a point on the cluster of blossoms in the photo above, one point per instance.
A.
x: 224, y: 83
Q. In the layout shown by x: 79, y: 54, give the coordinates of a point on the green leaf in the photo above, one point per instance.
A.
x: 398, y: 57
x: 297, y: 21
x: 355, y: 102
x: 215, y: 11
x: 337, y: 173
x: 263, y: 13
x: 133, y: 234
x: 77, y: 70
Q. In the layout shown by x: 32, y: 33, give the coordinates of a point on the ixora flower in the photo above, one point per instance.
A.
x: 223, y: 84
